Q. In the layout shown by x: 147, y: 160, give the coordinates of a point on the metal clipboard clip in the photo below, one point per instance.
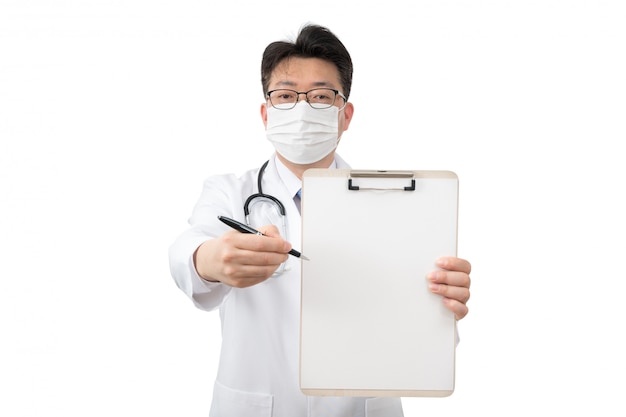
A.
x: 384, y: 175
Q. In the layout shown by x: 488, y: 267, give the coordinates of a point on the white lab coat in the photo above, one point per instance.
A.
x: 258, y: 368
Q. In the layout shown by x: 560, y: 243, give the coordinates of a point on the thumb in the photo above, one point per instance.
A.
x: 269, y: 230
x: 272, y: 231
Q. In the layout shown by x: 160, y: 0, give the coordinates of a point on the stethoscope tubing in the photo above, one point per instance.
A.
x: 260, y: 194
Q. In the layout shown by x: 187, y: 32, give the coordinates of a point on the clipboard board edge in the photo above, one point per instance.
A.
x: 377, y: 393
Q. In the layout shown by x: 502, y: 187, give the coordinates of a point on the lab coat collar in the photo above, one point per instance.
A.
x: 292, y: 182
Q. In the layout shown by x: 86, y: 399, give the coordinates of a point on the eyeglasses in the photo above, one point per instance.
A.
x: 318, y: 98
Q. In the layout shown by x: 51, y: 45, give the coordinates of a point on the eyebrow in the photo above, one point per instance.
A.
x: 288, y: 83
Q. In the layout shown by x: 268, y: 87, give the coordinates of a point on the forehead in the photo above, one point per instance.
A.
x: 305, y: 73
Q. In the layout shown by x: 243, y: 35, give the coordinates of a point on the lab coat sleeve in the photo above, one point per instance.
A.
x: 204, y: 294
x: 220, y: 195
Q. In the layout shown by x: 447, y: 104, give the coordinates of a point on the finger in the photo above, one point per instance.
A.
x: 459, y: 309
x: 460, y: 294
x: 452, y: 263
x: 264, y: 259
x: 243, y: 268
x: 247, y: 275
x: 256, y: 243
x: 253, y: 254
x: 458, y: 279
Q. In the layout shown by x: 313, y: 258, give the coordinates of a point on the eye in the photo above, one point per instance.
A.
x: 322, y: 95
x: 283, y: 96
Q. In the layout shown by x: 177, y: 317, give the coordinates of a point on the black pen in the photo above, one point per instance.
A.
x: 244, y: 228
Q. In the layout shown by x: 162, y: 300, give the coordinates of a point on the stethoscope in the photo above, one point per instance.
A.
x: 261, y: 196
x: 278, y: 207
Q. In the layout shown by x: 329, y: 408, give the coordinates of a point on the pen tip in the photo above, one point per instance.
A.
x: 304, y: 257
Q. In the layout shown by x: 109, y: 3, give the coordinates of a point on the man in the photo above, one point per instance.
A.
x: 252, y: 279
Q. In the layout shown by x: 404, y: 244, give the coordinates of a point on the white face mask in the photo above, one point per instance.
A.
x: 303, y: 135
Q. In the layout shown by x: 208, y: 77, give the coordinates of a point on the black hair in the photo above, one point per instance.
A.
x: 313, y: 41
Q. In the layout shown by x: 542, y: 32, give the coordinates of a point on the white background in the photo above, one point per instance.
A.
x: 112, y: 113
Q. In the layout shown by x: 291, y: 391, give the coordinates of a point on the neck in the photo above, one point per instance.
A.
x: 299, y: 169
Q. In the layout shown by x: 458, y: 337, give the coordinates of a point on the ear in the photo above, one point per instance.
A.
x: 264, y: 114
x: 348, y: 111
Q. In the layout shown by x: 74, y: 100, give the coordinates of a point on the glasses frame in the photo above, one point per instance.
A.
x: 306, y: 95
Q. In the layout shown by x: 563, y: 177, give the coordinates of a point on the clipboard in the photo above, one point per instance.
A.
x: 369, y: 326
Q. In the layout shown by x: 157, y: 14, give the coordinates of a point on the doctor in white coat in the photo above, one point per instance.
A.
x: 251, y: 279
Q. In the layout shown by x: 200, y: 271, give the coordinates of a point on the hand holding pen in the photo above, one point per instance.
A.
x: 239, y: 261
x: 244, y: 228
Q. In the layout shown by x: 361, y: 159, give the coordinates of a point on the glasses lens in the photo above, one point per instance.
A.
x: 283, y: 99
x: 321, y: 98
